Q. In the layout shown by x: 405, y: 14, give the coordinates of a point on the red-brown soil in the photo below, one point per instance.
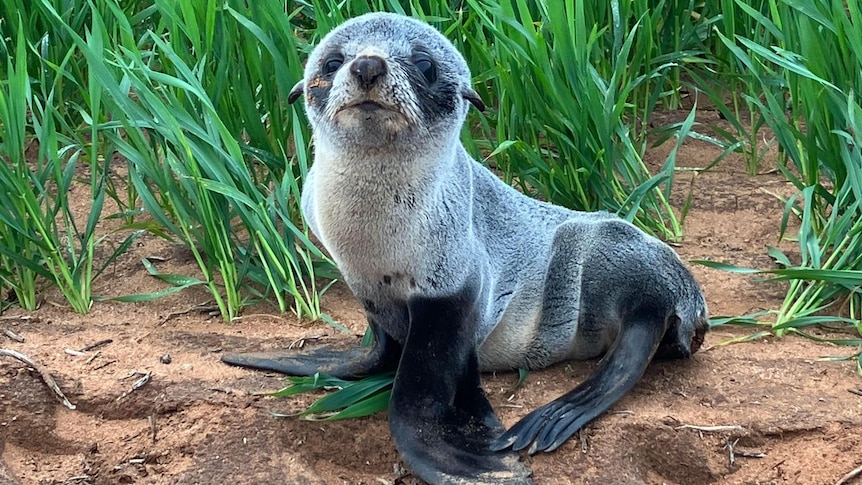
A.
x: 198, y: 422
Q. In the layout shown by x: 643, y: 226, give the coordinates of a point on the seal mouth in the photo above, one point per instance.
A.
x: 371, y: 113
x: 368, y: 106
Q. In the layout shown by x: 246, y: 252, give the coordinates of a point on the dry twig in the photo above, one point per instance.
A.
x: 711, y: 429
x: 137, y: 385
x: 153, y: 428
x: 93, y: 357
x: 105, y: 364
x: 202, y: 308
x: 850, y: 476
x: 97, y: 345
x: 46, y: 376
x: 12, y: 335
x: 729, y: 447
x: 20, y: 318
x: 300, y: 342
x: 732, y: 452
x: 750, y: 454
x: 80, y: 479
x: 582, y: 437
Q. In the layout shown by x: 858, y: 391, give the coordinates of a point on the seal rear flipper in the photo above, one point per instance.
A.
x: 549, y: 426
x: 382, y: 356
x: 439, y: 417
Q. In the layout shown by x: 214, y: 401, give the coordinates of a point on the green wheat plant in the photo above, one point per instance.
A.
x: 200, y: 175
x: 55, y: 66
x: 41, y: 238
x: 723, y: 79
x: 350, y: 399
x: 19, y: 258
x: 807, y: 88
x: 566, y: 118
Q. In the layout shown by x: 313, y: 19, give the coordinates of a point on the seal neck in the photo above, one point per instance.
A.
x: 388, y: 165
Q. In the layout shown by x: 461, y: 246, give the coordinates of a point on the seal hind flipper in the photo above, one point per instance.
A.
x: 439, y: 417
x: 549, y: 426
x: 382, y: 356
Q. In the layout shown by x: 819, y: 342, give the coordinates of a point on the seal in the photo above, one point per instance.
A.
x: 460, y: 273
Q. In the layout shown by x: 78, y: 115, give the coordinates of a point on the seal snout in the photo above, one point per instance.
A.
x: 368, y: 70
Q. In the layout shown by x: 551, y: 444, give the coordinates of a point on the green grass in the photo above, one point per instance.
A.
x: 806, y: 86
x: 204, y: 125
x: 568, y: 124
x: 350, y: 399
x: 18, y: 253
x: 43, y: 242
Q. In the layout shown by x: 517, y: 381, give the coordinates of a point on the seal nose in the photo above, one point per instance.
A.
x: 368, y: 69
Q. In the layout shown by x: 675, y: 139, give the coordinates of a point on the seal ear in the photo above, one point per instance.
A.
x: 296, y: 92
x: 473, y: 98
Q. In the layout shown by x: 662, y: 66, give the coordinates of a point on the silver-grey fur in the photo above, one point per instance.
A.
x: 421, y: 210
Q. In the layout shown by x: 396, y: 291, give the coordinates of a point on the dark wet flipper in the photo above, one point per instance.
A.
x: 549, y: 426
x: 440, y: 419
x: 445, y: 444
x: 454, y: 453
x: 355, y: 362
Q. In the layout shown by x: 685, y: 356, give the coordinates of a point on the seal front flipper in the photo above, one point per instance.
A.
x: 549, y: 426
x: 382, y: 356
x: 439, y: 417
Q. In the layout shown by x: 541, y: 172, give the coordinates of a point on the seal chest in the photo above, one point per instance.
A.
x: 374, y: 229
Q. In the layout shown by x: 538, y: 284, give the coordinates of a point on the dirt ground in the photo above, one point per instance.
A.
x: 790, y: 418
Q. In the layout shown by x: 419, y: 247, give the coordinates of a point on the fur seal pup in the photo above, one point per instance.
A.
x: 459, y: 272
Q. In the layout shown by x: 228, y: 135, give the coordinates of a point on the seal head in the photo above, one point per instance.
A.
x: 380, y: 80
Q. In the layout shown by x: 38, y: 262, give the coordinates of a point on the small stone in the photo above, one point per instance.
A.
x: 165, y: 359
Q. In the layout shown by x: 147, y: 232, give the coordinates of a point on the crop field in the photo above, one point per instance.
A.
x: 150, y: 173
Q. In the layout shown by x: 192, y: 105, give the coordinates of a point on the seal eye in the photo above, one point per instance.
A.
x: 332, y: 63
x: 426, y: 66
